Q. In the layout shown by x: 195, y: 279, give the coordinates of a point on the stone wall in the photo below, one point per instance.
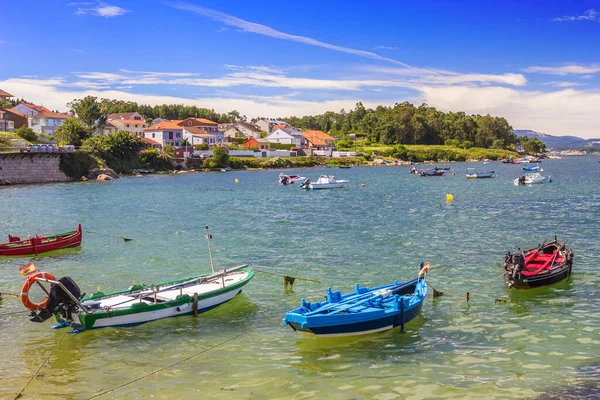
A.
x: 18, y: 168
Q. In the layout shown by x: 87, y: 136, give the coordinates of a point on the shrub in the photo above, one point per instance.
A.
x: 26, y: 133
x: 203, y: 146
x: 153, y: 159
x: 77, y: 164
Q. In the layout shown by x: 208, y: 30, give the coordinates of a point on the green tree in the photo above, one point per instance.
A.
x: 26, y: 133
x: 89, y: 111
x: 220, y: 157
x: 72, y: 131
x: 169, y: 151
x: 532, y: 146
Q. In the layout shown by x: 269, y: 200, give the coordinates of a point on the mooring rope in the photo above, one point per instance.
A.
x: 44, y: 363
x: 475, y: 291
x: 125, y: 239
x: 166, y: 367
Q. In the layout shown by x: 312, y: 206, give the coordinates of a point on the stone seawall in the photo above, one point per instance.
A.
x: 19, y: 168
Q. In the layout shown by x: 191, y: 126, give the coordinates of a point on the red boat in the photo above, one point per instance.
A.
x: 40, y: 244
x: 431, y: 172
x: 540, y: 266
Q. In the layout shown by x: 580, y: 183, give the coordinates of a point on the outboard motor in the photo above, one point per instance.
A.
x: 59, y: 301
x: 305, y: 183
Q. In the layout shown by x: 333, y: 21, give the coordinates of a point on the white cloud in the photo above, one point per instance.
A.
x: 98, y: 9
x: 386, y: 47
x: 589, y: 15
x: 567, y: 69
x: 264, y: 30
x: 563, y: 84
x: 561, y: 112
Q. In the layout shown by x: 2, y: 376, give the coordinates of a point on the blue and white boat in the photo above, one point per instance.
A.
x: 535, y: 168
x: 364, y: 311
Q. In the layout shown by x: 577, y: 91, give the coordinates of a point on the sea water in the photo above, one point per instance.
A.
x: 538, y: 341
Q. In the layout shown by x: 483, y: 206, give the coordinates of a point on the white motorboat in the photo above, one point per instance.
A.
x: 290, y: 179
x: 530, y: 179
x: 324, y: 182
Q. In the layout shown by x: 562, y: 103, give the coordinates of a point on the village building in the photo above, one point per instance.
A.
x: 134, y: 126
x: 165, y: 133
x: 196, y: 135
x: 29, y: 109
x: 18, y: 119
x: 268, y: 124
x: 287, y: 136
x: 318, y: 140
x: 110, y: 128
x: 4, y: 96
x: 6, y: 125
x: 126, y: 116
x: 233, y: 133
x: 248, y: 129
x: 203, y: 123
x: 151, y: 144
x: 46, y: 122
x: 257, y: 143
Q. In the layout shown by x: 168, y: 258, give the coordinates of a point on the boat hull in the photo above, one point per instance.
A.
x: 317, y: 186
x: 364, y: 327
x: 38, y: 245
x: 540, y: 280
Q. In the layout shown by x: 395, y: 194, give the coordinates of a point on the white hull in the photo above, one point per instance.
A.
x: 140, y: 318
x: 338, y: 184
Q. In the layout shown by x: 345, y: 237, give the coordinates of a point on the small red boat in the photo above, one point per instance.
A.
x: 40, y: 244
x: 540, y: 266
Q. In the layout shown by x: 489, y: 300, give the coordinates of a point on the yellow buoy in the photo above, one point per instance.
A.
x: 449, y: 198
x: 236, y: 180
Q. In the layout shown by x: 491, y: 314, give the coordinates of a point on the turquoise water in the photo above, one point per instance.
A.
x: 537, y: 340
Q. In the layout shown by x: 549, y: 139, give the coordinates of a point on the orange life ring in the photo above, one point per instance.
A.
x: 30, y: 305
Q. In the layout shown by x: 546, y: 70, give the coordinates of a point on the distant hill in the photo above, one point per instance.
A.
x: 559, y: 142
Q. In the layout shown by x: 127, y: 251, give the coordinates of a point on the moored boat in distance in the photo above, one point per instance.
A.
x: 530, y: 179
x: 40, y: 244
x: 474, y: 173
x: 539, y: 266
x: 324, y: 182
x: 290, y: 179
x: 364, y: 311
x: 535, y: 168
x: 431, y: 172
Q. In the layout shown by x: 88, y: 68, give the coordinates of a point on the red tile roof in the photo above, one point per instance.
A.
x: 163, y: 126
x: 149, y: 141
x: 5, y: 94
x: 19, y: 113
x: 203, y: 121
x: 195, y: 130
x: 49, y: 114
x: 282, y: 126
x: 318, y: 138
x: 37, y: 108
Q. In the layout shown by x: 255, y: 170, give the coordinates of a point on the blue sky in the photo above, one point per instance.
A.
x: 535, y: 63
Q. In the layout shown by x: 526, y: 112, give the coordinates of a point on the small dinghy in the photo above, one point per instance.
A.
x: 364, y: 311
x: 540, y: 266
x: 289, y: 179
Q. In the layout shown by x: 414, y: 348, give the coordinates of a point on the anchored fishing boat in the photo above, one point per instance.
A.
x: 40, y: 244
x: 364, y: 311
x: 324, y: 182
x: 431, y: 172
x: 530, y: 179
x: 474, y: 173
x: 137, y: 304
x: 539, y: 266
x: 289, y: 179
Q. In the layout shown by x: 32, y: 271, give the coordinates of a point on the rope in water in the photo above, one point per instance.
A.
x: 125, y: 239
x: 44, y: 363
x: 166, y: 367
x: 475, y: 291
x: 277, y: 274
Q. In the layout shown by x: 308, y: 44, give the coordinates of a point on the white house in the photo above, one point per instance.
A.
x: 196, y: 135
x: 165, y: 133
x: 130, y: 116
x: 134, y: 126
x: 287, y: 136
x: 46, y: 122
x: 29, y: 109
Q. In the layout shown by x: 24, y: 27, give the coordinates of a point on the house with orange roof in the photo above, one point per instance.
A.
x: 18, y: 119
x: 4, y: 96
x: 257, y: 143
x: 318, y: 140
x: 205, y: 124
x: 196, y: 135
x: 6, y: 125
x: 29, y: 109
x: 134, y: 126
x: 165, y: 133
x: 151, y: 144
x: 110, y: 128
x: 46, y: 122
x: 268, y: 125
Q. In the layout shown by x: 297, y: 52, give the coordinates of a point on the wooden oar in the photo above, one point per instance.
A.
x: 359, y: 299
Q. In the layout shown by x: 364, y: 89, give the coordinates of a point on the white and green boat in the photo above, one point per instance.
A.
x: 141, y: 303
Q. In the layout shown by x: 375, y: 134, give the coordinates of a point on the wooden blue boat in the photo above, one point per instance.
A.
x: 366, y: 310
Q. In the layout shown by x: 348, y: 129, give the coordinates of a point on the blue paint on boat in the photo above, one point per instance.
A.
x: 367, y: 310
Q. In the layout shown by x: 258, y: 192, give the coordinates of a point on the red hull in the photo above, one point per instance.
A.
x: 41, y: 244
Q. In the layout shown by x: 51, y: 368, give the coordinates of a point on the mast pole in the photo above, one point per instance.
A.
x: 208, y: 237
